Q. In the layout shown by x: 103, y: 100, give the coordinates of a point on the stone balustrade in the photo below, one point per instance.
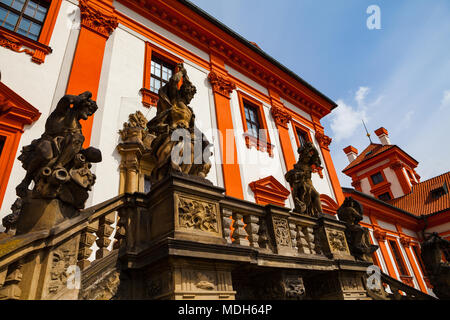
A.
x: 48, y: 264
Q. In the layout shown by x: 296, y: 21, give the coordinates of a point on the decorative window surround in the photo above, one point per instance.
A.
x: 149, y: 98
x: 261, y: 143
x: 38, y: 50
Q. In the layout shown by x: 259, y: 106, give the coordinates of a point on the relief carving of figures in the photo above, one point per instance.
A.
x: 433, y: 248
x: 62, y: 259
x: 358, y: 238
x: 174, y: 150
x: 306, y: 197
x: 56, y: 162
x: 197, y: 215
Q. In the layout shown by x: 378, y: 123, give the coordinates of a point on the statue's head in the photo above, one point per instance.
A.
x: 187, y: 91
x: 86, y: 107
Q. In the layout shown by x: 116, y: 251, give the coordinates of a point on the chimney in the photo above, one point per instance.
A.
x: 351, y: 153
x: 383, y: 135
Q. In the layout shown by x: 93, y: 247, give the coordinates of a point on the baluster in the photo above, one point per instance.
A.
x: 10, y: 288
x: 239, y: 233
x: 312, y: 241
x: 119, y: 237
x: 302, y: 240
x: 293, y: 231
x: 252, y: 229
x: 105, y: 230
x: 226, y: 224
x: 263, y: 236
x: 87, y: 239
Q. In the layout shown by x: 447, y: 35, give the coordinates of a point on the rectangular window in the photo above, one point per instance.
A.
x: 385, y: 196
x: 251, y: 117
x: 302, y: 137
x: 24, y: 17
x: 398, y: 258
x: 160, y: 73
x: 419, y: 259
x: 377, y: 178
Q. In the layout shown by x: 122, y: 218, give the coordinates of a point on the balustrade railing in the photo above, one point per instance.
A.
x: 37, y: 265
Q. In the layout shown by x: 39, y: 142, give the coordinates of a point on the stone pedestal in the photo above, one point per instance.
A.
x: 41, y: 214
x: 185, y: 208
x: 337, y: 285
x: 181, y: 279
x: 333, y: 242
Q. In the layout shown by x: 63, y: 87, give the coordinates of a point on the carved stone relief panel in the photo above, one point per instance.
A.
x: 61, y: 259
x: 197, y: 214
x: 281, y: 230
x: 337, y: 241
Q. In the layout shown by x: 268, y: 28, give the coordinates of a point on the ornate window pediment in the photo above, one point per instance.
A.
x: 269, y: 191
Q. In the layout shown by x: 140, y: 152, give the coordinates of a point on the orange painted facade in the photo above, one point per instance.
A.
x: 15, y: 113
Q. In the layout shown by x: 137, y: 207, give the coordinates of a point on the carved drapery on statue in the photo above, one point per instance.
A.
x: 58, y: 166
x: 358, y: 239
x: 306, y: 197
x: 438, y: 271
x: 179, y: 145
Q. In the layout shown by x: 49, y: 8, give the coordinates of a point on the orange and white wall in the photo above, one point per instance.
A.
x: 113, y: 68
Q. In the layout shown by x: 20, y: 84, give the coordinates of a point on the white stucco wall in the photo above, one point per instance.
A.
x: 121, y: 80
x: 254, y: 164
x: 396, y: 188
x: 37, y: 85
x: 365, y: 186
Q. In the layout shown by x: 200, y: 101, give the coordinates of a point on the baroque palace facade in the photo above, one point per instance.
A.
x: 249, y: 107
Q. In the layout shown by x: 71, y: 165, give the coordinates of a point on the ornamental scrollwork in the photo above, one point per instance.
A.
x: 194, y: 214
x: 96, y: 20
x: 220, y: 84
x: 281, y: 229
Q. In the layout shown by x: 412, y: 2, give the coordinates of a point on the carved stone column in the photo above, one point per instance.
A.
x: 129, y: 166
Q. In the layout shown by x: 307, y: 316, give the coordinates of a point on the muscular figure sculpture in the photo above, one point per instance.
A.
x: 306, y: 197
x: 174, y: 112
x: 57, y: 156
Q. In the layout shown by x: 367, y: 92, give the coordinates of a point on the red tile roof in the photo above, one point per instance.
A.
x: 371, y: 151
x: 420, y: 201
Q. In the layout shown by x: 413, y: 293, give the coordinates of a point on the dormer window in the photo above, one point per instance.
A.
x: 385, y: 196
x: 377, y: 178
x: 439, y: 192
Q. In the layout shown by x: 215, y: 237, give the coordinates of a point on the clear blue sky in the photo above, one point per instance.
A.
x: 397, y: 77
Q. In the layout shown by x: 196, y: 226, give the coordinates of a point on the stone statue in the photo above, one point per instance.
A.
x: 10, y: 221
x: 438, y: 271
x: 306, y: 197
x: 57, y: 163
x: 358, y: 239
x: 174, y: 113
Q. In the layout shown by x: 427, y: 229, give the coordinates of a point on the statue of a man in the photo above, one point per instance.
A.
x: 358, y: 238
x: 57, y: 156
x: 306, y: 197
x: 174, y: 113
